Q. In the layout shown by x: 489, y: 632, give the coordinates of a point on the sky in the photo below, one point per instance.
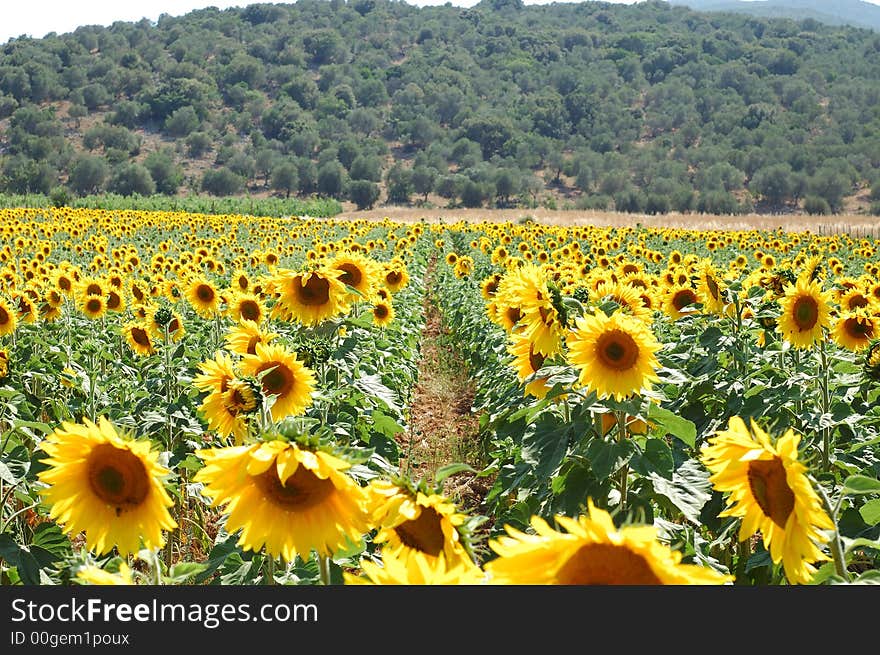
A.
x: 37, y: 18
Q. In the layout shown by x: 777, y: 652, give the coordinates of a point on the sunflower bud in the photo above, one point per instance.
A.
x: 163, y: 316
x: 871, y: 366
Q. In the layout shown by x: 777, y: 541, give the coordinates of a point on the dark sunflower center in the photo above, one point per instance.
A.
x: 536, y: 360
x: 629, y: 268
x: 205, y: 293
x: 4, y: 316
x: 174, y: 325
x: 617, y: 350
x: 301, y: 491
x: 513, y: 315
x: 242, y: 283
x: 393, y: 278
x: 858, y: 301
x: 606, y: 564
x: 137, y: 293
x: 64, y: 284
x: 249, y: 310
x: 683, y: 298
x: 114, y: 301
x: 93, y: 305
x: 118, y: 477
x: 380, y: 311
x: 805, y: 312
x: 94, y: 290
x: 424, y: 533
x: 858, y: 328
x: 351, y: 275
x: 770, y: 489
x: 315, y: 292
x: 277, y: 382
x: 492, y: 287
x: 252, y: 345
x: 241, y: 398
x: 140, y: 336
x: 713, y: 287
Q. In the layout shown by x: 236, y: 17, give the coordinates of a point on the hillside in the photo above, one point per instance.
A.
x: 838, y: 12
x: 647, y: 107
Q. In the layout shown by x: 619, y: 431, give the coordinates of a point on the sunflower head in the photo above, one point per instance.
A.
x: 106, y: 484
x: 871, y: 362
x: 416, y: 517
x: 286, y: 498
x: 591, y: 551
x: 771, y: 492
x: 615, y: 354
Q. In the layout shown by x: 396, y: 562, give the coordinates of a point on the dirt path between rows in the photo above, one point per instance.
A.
x: 442, y: 428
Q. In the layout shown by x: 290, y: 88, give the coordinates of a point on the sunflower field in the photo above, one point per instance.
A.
x: 226, y: 399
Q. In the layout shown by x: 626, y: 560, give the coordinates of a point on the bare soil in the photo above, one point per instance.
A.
x: 442, y: 428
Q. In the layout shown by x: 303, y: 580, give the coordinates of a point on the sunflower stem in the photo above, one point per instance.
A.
x: 836, y: 545
x: 826, y: 406
x: 624, y: 471
x: 270, y: 569
x: 324, y: 569
x: 157, y: 567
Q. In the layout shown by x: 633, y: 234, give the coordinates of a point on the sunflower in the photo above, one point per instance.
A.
x: 592, y: 551
x: 414, y: 568
x: 8, y: 319
x: 244, y: 337
x: 138, y: 337
x: 310, y: 297
x: 410, y: 521
x: 288, y: 499
x: 626, y: 297
x: 203, y: 297
x: 94, y: 307
x: 711, y: 289
x: 489, y: 286
x: 107, y: 485
x: 157, y: 318
x: 215, y: 374
x: 95, y: 575
x: 678, y: 300
x: 854, y: 330
x: 395, y: 277
x: 355, y: 271
x: 805, y: 311
x: 615, y: 354
x: 771, y: 492
x: 226, y: 410
x: 527, y: 362
x: 246, y: 307
x: 283, y: 376
x: 383, y: 313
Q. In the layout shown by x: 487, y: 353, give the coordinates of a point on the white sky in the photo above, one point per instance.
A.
x: 37, y: 18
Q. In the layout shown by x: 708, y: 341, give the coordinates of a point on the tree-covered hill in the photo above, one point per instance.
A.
x: 645, y: 107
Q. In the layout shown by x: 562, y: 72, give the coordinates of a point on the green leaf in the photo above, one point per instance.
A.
x: 688, y: 490
x: 545, y: 447
x: 372, y: 386
x: 50, y: 537
x: 181, y: 572
x: 870, y: 512
x: 659, y: 455
x: 673, y: 424
x: 384, y: 424
x: 6, y: 475
x: 451, y: 469
x: 607, y: 457
x: 860, y: 484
